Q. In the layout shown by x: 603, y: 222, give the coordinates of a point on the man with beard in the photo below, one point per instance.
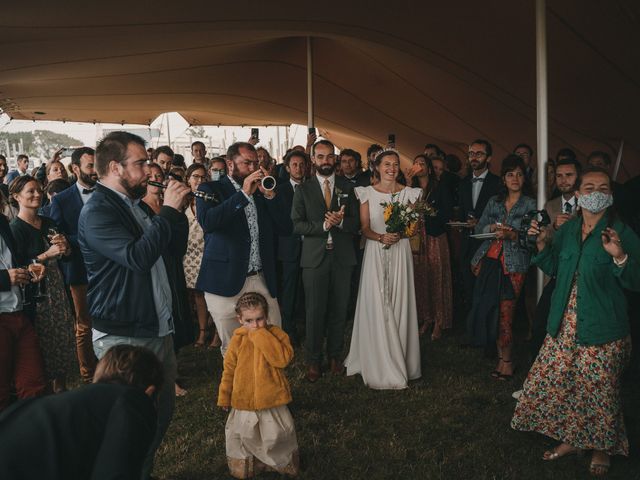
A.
x: 65, y: 211
x: 326, y: 213
x: 240, y: 229
x: 560, y: 209
x: 475, y: 191
x: 123, y: 244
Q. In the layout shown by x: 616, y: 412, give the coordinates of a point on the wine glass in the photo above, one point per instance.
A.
x: 36, y: 269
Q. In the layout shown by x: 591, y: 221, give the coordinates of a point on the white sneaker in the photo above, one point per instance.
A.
x: 517, y: 394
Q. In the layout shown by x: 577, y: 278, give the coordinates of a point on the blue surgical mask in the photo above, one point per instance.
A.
x: 595, y: 202
x: 216, y: 175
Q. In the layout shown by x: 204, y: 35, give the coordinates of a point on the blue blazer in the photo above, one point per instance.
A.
x: 227, y: 242
x: 65, y: 211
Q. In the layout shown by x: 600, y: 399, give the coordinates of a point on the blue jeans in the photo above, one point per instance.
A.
x: 163, y: 348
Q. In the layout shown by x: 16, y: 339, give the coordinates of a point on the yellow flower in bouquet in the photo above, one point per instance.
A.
x: 388, y: 211
x: 411, y: 229
x: 403, y: 218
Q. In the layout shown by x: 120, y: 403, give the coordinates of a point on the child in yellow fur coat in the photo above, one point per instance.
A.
x: 260, y: 433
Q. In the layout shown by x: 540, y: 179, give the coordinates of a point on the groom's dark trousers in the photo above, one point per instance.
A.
x: 326, y: 271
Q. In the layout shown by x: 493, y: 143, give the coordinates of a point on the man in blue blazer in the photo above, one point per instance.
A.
x: 240, y: 231
x: 65, y: 211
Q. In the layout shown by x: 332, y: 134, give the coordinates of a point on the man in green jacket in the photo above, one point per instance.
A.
x: 325, y: 212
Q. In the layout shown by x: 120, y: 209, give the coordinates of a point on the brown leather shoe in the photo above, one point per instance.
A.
x: 313, y: 373
x: 336, y: 366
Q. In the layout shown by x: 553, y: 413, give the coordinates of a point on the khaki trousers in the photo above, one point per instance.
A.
x: 222, y: 309
x: 84, y: 345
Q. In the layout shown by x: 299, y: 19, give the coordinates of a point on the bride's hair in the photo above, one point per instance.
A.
x: 378, y: 160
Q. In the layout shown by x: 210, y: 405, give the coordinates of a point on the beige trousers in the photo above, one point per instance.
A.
x: 222, y: 309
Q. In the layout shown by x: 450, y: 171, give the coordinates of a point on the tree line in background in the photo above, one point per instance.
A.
x: 39, y: 144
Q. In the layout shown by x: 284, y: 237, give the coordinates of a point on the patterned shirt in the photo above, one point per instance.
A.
x: 255, y: 263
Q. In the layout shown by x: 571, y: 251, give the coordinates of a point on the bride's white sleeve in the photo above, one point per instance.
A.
x: 362, y: 194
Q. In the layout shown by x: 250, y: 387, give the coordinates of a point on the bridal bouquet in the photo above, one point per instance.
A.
x: 404, y: 218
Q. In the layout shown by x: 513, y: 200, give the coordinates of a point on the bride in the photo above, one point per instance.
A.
x: 385, y: 347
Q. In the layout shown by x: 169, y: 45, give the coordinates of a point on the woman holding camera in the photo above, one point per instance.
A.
x: 501, y: 265
x: 572, y: 392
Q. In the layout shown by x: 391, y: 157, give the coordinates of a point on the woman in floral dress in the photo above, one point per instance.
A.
x: 572, y: 393
x: 196, y: 174
x: 52, y: 314
x: 431, y: 261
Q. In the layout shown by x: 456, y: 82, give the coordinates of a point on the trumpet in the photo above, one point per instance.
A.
x: 207, y: 197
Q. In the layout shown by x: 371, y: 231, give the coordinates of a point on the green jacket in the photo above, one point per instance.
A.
x: 601, y: 306
x: 307, y: 214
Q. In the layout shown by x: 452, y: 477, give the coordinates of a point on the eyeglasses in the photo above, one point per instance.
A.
x: 198, y: 177
x: 477, y: 154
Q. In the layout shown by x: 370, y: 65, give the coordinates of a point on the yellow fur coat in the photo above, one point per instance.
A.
x: 253, y: 377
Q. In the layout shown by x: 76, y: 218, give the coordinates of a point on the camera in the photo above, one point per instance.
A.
x: 268, y: 183
x: 527, y: 241
x: 255, y: 133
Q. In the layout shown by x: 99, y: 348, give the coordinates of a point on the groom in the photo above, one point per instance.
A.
x: 326, y: 213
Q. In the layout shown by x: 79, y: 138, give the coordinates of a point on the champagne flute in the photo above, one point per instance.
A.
x: 52, y: 233
x: 23, y: 288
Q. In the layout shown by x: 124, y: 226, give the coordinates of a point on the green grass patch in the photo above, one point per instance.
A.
x: 451, y: 424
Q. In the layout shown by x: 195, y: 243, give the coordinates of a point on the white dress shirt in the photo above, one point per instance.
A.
x: 476, y: 187
x: 84, y: 196
x: 10, y: 300
x: 332, y: 182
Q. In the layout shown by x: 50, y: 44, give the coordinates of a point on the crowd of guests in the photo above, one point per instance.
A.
x: 95, y: 257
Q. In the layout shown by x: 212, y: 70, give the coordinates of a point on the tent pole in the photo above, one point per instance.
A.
x: 542, y: 112
x: 310, y: 122
x: 616, y: 169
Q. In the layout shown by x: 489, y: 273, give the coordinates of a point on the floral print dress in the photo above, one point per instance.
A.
x: 195, y: 247
x: 572, y: 393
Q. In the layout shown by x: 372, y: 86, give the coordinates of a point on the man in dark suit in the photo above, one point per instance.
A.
x: 101, y: 431
x: 65, y: 211
x: 326, y: 213
x: 475, y: 191
x: 240, y: 230
x: 290, y: 246
x: 351, y: 168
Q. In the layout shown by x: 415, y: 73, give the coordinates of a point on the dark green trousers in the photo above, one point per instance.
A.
x: 327, y: 290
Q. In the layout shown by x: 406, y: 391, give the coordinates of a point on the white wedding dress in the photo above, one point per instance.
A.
x: 385, y: 347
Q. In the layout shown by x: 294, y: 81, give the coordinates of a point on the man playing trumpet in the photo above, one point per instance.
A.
x: 239, y: 239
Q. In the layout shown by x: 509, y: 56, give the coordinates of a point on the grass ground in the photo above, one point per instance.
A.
x: 451, y: 424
